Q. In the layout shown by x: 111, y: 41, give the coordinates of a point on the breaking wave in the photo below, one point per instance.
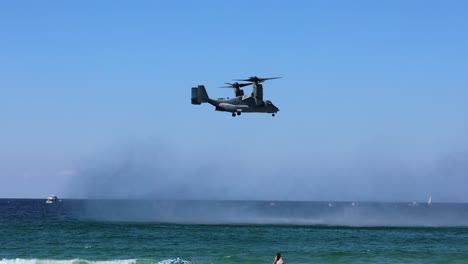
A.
x: 63, y: 261
x: 83, y: 261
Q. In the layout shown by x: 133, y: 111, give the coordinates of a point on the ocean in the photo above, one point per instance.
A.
x: 145, y: 231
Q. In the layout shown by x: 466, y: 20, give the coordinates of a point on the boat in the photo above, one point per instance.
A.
x: 53, y: 199
x: 430, y: 200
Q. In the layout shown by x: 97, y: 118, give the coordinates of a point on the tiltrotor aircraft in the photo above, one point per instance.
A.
x: 250, y: 103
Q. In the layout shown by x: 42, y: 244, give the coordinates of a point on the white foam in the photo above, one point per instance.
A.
x: 175, y: 261
x: 63, y: 261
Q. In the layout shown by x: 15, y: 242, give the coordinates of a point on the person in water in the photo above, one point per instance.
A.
x: 278, y: 259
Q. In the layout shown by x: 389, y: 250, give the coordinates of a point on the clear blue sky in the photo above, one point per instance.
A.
x: 373, y: 100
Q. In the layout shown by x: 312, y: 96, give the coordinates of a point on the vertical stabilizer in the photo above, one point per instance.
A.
x: 195, y: 100
x: 202, y: 94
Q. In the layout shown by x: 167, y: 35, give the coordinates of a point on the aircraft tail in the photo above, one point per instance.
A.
x: 199, y: 95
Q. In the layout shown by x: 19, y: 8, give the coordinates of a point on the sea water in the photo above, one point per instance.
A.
x: 132, y: 231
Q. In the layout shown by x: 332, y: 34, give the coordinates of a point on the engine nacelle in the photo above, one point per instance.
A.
x: 258, y: 93
x: 239, y: 92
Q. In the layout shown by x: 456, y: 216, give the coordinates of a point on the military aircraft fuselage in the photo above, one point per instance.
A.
x: 242, y: 104
x: 249, y: 103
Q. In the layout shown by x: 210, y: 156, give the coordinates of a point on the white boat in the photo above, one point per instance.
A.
x: 53, y: 199
x: 430, y: 200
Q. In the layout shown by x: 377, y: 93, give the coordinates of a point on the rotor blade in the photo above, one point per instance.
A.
x: 266, y: 79
x: 235, y: 85
x: 255, y: 79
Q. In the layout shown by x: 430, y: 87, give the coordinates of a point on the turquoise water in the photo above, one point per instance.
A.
x: 83, y: 231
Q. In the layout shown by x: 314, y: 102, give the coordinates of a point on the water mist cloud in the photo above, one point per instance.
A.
x: 158, y: 171
x: 153, y: 183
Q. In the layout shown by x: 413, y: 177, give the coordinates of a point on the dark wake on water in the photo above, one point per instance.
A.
x: 144, y: 232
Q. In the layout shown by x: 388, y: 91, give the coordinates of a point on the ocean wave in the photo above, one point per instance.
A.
x: 83, y: 261
x: 64, y: 261
x: 175, y: 261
